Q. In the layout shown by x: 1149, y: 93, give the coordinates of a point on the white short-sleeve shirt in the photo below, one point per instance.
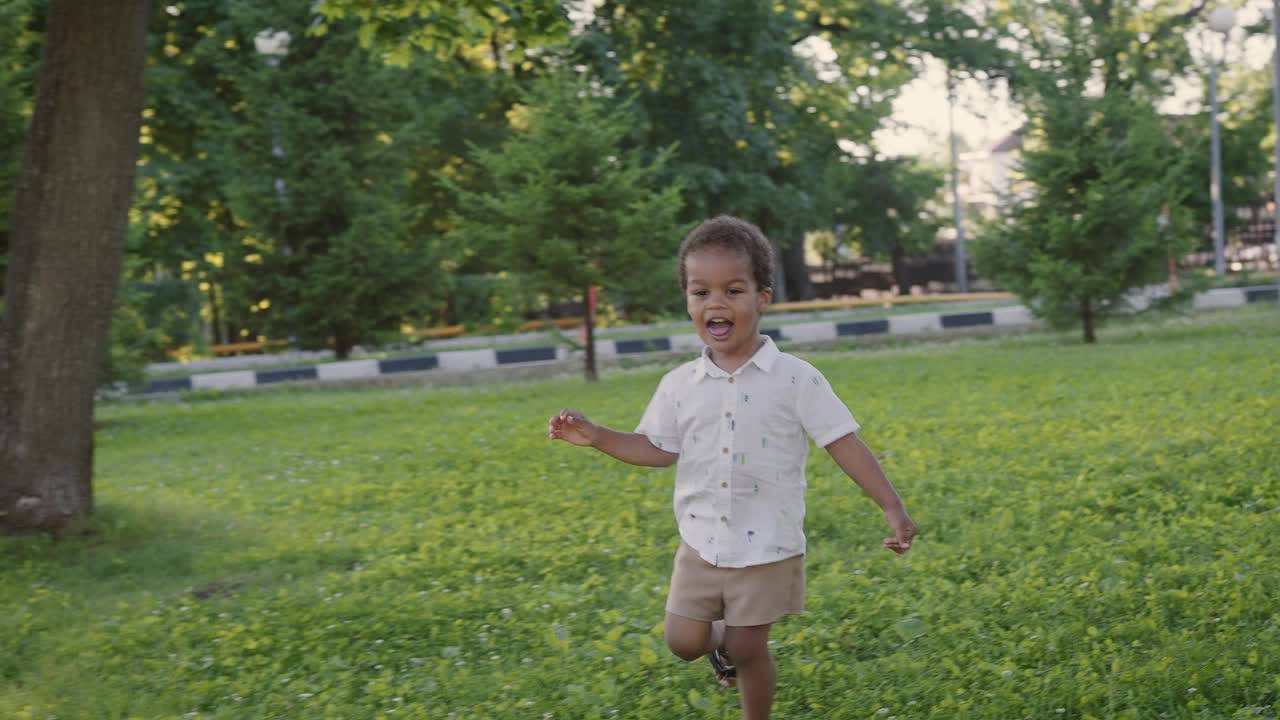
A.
x: 743, y: 440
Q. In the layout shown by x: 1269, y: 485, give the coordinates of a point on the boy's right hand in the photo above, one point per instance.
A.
x: 573, y: 427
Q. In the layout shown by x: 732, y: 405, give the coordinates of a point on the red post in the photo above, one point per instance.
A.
x: 592, y: 295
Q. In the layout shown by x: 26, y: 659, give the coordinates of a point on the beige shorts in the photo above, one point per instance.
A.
x: 742, y: 597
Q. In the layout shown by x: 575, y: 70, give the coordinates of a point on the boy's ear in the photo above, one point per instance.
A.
x: 766, y: 294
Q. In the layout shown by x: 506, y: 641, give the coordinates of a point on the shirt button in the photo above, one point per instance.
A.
x: 724, y: 450
x: 724, y: 484
x: 728, y: 414
x: 724, y: 519
x: 730, y: 380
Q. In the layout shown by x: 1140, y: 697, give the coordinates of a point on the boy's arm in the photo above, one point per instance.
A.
x: 633, y: 448
x: 855, y: 458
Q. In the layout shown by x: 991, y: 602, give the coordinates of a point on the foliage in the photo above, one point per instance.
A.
x: 753, y: 94
x: 21, y: 38
x: 890, y: 209
x: 359, y: 143
x: 337, y: 554
x: 315, y: 159
x: 125, y: 359
x: 1100, y: 167
x: 1092, y: 230
x: 403, y: 26
x: 149, y: 320
x: 1247, y: 139
x: 754, y: 109
x: 570, y: 205
x: 962, y: 36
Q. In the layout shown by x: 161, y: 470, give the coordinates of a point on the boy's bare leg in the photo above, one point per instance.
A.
x: 748, y: 647
x: 691, y: 639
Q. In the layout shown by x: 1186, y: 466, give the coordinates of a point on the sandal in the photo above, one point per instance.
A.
x: 726, y: 673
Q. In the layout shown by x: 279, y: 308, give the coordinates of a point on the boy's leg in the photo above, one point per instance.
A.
x: 757, y: 678
x: 690, y: 639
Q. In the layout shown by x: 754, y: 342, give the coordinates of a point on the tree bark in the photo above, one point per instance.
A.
x: 589, y: 322
x: 779, y: 272
x: 898, y: 259
x: 799, y: 285
x: 70, y: 215
x: 344, y: 342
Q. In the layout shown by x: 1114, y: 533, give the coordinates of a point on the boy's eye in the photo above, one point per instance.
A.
x: 700, y: 293
x: 735, y: 291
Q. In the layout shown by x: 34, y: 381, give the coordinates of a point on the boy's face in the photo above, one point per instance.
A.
x: 724, y: 302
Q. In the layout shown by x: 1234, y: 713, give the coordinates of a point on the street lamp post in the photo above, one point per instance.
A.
x: 962, y: 265
x: 1275, y: 111
x: 273, y: 45
x: 1220, y: 20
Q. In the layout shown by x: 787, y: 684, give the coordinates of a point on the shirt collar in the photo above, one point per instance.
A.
x: 763, y: 358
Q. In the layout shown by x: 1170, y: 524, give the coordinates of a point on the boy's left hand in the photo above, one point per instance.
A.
x: 904, y: 530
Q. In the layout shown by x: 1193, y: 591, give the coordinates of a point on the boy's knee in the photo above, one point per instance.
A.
x: 747, y: 648
x: 686, y: 648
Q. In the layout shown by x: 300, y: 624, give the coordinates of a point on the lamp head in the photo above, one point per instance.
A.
x: 271, y: 43
x: 1221, y: 19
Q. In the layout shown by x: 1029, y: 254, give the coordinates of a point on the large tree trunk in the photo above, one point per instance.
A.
x: 799, y: 286
x: 70, y: 214
x: 1086, y: 319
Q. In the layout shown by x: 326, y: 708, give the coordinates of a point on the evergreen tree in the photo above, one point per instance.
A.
x: 1103, y: 173
x: 569, y: 206
x: 1100, y: 167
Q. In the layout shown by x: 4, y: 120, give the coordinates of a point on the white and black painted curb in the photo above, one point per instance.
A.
x: 814, y: 332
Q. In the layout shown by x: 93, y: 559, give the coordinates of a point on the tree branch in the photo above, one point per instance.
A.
x: 1167, y: 27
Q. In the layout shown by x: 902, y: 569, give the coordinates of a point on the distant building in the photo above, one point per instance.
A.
x: 986, y: 178
x: 985, y: 175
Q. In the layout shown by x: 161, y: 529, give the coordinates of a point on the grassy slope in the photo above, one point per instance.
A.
x: 1101, y: 528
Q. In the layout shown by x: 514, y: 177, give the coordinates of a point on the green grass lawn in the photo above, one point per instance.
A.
x: 1100, y: 538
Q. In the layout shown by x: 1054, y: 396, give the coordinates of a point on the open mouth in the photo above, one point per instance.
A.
x: 719, y: 328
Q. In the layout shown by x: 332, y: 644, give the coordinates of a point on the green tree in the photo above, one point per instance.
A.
x: 753, y: 101
x: 890, y: 210
x: 216, y: 115
x: 317, y: 156
x: 1100, y: 165
x: 569, y: 205
x: 1090, y: 232
x: 21, y: 33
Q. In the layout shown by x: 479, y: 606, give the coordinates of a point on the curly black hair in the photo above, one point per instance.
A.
x: 735, y: 234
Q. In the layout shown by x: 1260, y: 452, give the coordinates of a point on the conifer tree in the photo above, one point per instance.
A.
x: 569, y: 205
x: 1100, y: 167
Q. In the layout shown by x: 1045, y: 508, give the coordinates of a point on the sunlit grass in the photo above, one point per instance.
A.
x: 1101, y: 528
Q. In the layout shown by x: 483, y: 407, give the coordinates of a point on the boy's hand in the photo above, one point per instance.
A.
x: 573, y: 427
x: 904, y: 530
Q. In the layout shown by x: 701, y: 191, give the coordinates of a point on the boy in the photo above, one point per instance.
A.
x: 734, y: 422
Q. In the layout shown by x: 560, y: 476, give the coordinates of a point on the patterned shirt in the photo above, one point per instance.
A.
x: 741, y: 437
